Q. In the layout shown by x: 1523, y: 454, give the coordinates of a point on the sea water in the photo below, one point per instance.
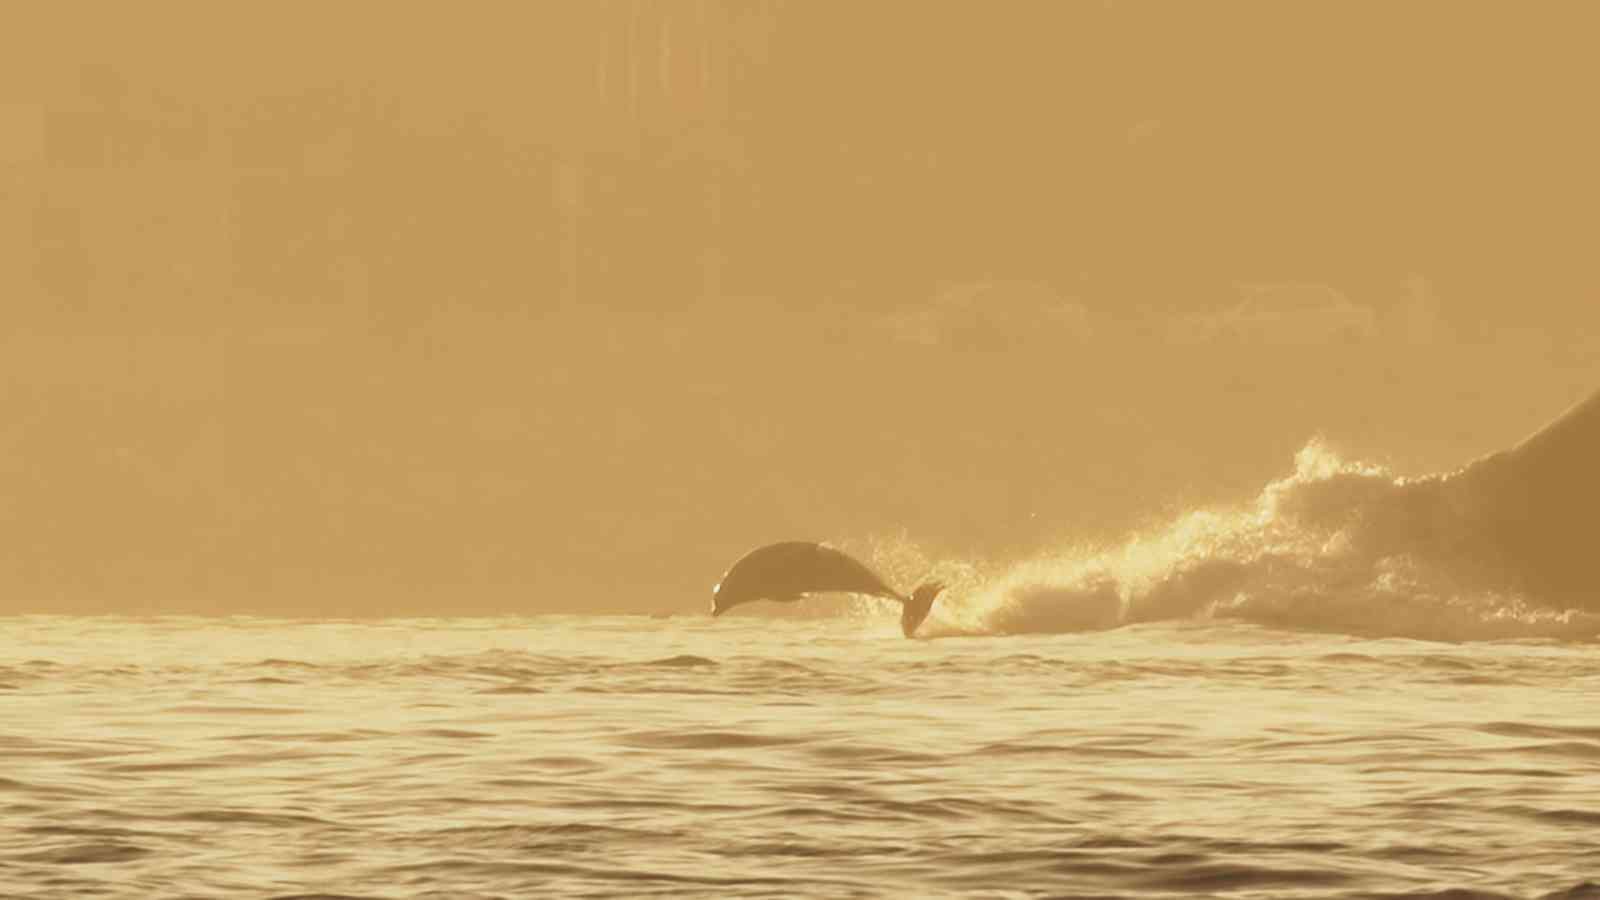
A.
x: 1354, y: 685
x: 685, y: 756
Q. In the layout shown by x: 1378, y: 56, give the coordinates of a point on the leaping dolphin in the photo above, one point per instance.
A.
x: 789, y: 570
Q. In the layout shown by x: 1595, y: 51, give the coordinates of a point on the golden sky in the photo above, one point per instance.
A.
x: 354, y: 308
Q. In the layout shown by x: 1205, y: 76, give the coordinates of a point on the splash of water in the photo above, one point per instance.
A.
x: 1491, y: 551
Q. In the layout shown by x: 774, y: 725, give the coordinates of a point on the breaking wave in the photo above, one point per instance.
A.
x: 1499, y: 549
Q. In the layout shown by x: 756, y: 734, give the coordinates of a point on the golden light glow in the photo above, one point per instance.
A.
x: 564, y: 305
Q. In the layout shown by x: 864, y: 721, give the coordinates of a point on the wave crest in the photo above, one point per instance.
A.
x: 1336, y: 546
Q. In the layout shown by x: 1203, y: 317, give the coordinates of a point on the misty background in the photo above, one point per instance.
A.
x: 513, y: 307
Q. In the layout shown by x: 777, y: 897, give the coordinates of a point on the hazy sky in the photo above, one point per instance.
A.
x: 565, y: 305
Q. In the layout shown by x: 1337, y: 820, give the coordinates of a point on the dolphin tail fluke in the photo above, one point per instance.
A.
x: 915, y: 608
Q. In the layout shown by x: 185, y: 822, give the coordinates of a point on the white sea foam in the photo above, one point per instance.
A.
x: 1498, y: 549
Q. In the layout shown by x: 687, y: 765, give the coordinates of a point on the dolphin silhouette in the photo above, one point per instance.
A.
x: 789, y: 570
x: 1530, y: 509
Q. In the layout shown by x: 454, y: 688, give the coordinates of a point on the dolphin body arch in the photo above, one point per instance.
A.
x: 1529, y: 511
x: 789, y: 570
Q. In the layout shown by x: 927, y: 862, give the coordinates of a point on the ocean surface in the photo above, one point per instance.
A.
x: 1356, y: 684
x: 828, y: 757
